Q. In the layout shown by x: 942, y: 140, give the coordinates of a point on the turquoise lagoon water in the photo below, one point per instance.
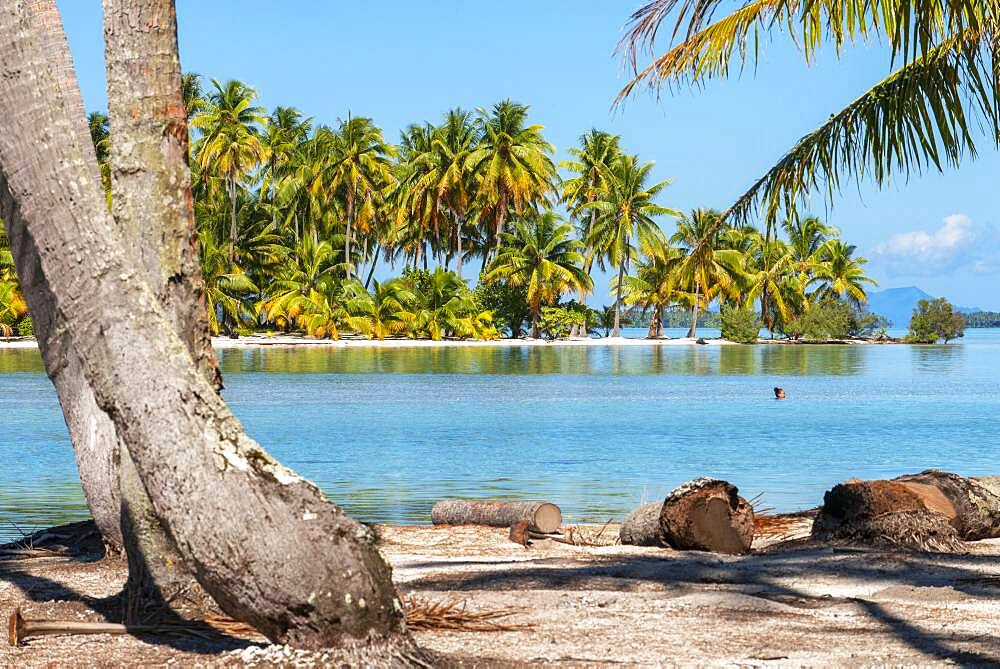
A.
x: 386, y: 432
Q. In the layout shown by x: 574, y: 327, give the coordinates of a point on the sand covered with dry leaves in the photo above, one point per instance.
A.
x: 592, y: 605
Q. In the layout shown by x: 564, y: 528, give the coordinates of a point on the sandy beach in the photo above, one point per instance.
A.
x: 254, y: 341
x: 595, y: 605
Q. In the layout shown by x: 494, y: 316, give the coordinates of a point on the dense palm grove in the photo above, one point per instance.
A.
x: 294, y: 218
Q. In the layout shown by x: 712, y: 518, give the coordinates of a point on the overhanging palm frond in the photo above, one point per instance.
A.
x: 923, y: 115
x: 910, y: 27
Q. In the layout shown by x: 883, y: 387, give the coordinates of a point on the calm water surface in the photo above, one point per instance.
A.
x: 596, y: 430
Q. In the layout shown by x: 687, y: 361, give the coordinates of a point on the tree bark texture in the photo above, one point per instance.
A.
x: 265, y: 544
x: 153, y: 210
x: 95, y: 443
x: 707, y: 514
x: 542, y: 516
x: 641, y: 527
x: 932, y: 510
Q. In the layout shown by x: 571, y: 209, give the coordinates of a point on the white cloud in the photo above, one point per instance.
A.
x: 959, y: 242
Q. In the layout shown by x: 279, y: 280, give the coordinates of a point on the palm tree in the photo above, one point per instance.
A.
x: 598, y: 150
x: 316, y: 272
x: 924, y: 115
x: 100, y: 134
x: 513, y: 166
x: 446, y: 307
x: 285, y: 131
x: 359, y: 171
x: 453, y: 142
x: 655, y: 284
x: 770, y: 278
x: 842, y: 274
x: 227, y: 287
x: 625, y: 211
x: 385, y: 312
x: 191, y: 92
x: 230, y: 145
x: 540, y: 254
x: 710, y: 267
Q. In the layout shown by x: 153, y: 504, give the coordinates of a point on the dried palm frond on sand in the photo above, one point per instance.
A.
x: 453, y: 614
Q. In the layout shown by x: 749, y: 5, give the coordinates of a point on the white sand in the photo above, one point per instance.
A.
x: 254, y: 341
x: 291, y: 340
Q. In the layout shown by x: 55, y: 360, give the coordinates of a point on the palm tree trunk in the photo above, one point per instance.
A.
x: 656, y: 323
x: 371, y: 272
x: 617, y: 332
x: 228, y: 505
x: 458, y: 245
x: 582, y: 331
x: 155, y: 218
x: 347, y: 237
x: 231, y: 186
x: 693, y: 331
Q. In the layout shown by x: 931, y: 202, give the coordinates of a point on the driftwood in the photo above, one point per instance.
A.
x: 543, y: 517
x: 707, y: 514
x: 642, y: 526
x: 932, y: 510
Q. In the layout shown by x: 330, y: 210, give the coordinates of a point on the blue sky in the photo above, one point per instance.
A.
x: 401, y: 62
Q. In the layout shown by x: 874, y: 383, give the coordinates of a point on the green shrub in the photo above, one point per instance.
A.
x: 740, y: 325
x: 558, y: 322
x: 829, y: 318
x: 934, y: 320
x: 26, y: 328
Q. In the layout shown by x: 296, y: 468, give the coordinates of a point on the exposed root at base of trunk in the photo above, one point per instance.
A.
x: 909, y: 530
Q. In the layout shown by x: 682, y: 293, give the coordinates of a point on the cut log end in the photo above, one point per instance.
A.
x: 707, y: 514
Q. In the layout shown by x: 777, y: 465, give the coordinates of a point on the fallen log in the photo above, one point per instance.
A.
x: 543, y: 517
x: 642, y: 526
x: 519, y: 533
x: 932, y: 510
x: 707, y: 514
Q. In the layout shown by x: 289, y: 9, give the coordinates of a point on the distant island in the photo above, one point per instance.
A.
x: 897, y: 304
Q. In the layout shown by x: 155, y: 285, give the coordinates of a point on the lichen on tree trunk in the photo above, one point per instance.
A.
x: 153, y: 211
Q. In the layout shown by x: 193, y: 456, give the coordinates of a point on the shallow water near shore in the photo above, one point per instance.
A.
x: 597, y: 430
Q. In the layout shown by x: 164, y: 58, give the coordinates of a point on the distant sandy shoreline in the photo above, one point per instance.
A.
x: 260, y: 341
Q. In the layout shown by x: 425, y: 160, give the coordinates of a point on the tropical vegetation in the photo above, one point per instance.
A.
x: 934, y: 320
x: 294, y: 219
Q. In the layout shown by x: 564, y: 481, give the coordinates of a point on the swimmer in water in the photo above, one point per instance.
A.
x: 779, y: 394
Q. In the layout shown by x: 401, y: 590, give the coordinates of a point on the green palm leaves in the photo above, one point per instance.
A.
x: 925, y: 114
x: 625, y: 209
x: 512, y: 163
x: 230, y: 146
x: 540, y: 255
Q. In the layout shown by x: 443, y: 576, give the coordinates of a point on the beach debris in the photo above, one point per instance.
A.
x: 519, y: 533
x: 543, y: 517
x: 707, y: 514
x: 701, y: 341
x: 452, y: 614
x: 779, y: 393
x: 932, y: 510
x: 641, y: 527
x: 20, y: 628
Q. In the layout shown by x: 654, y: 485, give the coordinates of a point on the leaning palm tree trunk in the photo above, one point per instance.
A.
x: 693, y: 331
x: 231, y: 509
x: 617, y: 332
x: 155, y: 221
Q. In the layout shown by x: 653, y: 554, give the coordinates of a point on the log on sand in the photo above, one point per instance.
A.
x: 542, y: 517
x: 707, y: 514
x: 932, y: 510
x: 642, y: 526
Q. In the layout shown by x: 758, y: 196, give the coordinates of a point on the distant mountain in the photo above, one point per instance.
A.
x: 897, y: 304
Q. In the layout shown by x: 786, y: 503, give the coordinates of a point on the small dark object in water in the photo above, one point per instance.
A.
x: 779, y: 394
x: 701, y: 341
